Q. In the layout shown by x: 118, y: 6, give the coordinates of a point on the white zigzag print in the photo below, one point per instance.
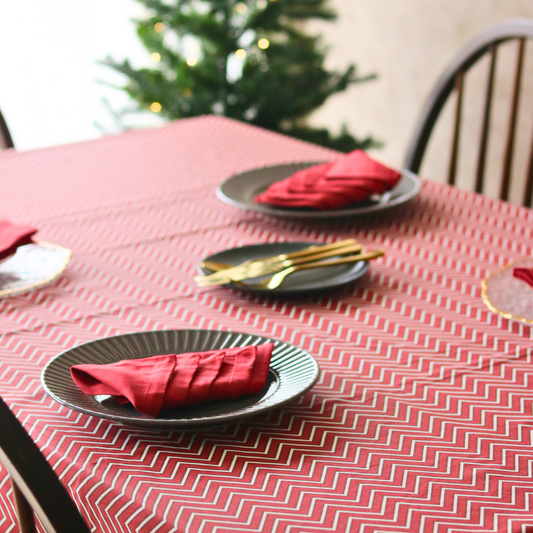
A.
x: 422, y: 417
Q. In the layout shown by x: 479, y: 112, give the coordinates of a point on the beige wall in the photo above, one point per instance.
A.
x: 408, y: 43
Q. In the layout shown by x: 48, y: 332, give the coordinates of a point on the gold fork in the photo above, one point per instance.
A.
x: 277, y: 279
x: 262, y: 269
x: 235, y: 271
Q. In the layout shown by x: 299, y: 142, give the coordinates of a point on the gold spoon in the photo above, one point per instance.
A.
x: 256, y: 269
x: 277, y: 279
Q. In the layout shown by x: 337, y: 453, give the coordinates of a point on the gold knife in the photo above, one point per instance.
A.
x: 259, y: 263
x: 254, y: 271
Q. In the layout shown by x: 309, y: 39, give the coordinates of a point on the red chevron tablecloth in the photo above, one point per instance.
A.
x: 421, y: 420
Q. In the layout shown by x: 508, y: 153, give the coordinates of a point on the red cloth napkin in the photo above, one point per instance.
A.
x: 525, y: 274
x: 12, y: 236
x: 168, y: 381
x: 349, y: 179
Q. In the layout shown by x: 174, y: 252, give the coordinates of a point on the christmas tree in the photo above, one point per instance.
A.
x: 247, y: 59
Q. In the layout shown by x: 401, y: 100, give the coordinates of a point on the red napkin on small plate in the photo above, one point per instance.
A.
x: 175, y: 380
x: 12, y: 236
x: 349, y: 179
x: 525, y: 274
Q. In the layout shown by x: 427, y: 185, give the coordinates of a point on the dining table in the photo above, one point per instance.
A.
x: 421, y: 419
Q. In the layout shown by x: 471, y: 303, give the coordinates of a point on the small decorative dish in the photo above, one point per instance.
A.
x: 508, y: 296
x: 32, y: 266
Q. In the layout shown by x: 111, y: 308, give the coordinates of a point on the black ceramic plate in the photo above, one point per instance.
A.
x: 292, y: 373
x: 240, y: 190
x: 317, y: 279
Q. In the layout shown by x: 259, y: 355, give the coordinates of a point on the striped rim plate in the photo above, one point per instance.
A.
x: 292, y: 373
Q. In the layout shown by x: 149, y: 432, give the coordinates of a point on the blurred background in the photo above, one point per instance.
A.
x: 53, y: 91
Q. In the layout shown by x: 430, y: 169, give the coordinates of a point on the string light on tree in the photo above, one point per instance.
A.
x: 245, y: 59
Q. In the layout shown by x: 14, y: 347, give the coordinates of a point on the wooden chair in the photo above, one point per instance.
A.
x: 452, y: 81
x: 36, y: 488
x: 5, y: 137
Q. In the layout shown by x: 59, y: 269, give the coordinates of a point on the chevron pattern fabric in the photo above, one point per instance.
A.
x: 422, y: 418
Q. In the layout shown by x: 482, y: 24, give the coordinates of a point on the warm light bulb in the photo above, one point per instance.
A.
x: 159, y: 27
x: 155, y: 107
x: 241, y: 8
x: 191, y: 61
x: 263, y: 44
x: 155, y: 57
x: 240, y: 53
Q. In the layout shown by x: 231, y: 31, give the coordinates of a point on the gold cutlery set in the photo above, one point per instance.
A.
x: 281, y: 266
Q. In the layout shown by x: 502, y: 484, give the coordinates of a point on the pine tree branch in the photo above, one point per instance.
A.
x: 281, y: 84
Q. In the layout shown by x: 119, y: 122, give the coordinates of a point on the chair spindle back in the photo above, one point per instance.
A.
x: 453, y: 81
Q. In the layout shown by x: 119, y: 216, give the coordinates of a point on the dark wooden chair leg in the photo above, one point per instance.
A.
x: 24, y: 511
x: 511, y: 132
x: 528, y: 193
x: 457, y: 127
x: 38, y: 493
x: 482, y: 156
x: 5, y: 137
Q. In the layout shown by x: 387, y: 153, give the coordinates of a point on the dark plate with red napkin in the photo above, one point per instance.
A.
x: 291, y: 372
x: 246, y: 189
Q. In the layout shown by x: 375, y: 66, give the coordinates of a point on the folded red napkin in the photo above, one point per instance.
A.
x: 525, y: 274
x: 168, y: 381
x: 349, y: 179
x: 12, y: 236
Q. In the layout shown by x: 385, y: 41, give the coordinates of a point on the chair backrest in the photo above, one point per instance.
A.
x: 452, y: 81
x: 36, y: 488
x: 5, y: 137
